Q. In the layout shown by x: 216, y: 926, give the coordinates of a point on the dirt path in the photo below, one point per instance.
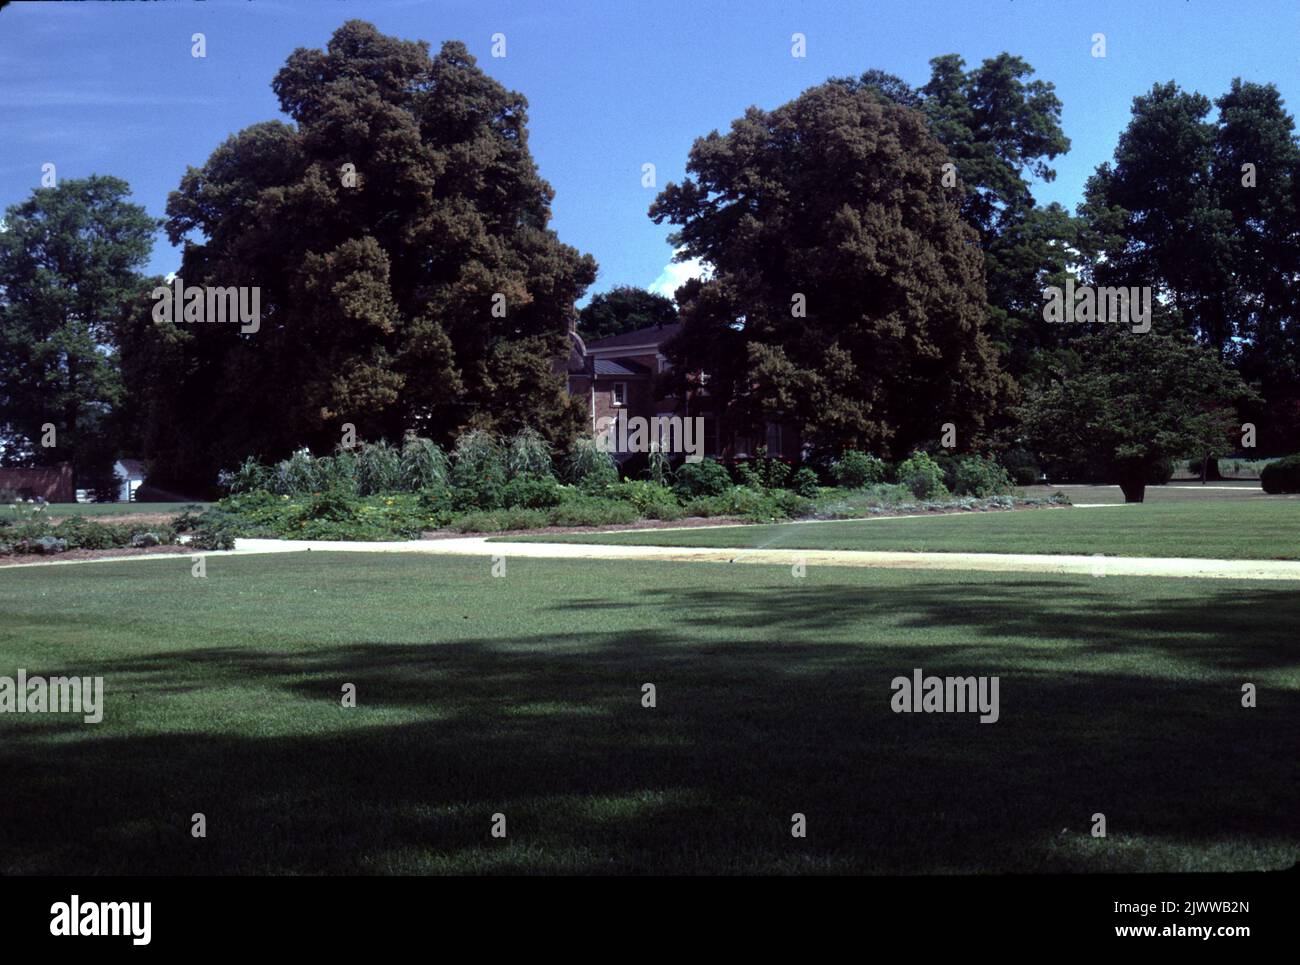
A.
x: 1097, y: 566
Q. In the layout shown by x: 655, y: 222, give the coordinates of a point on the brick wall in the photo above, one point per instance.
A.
x: 53, y: 484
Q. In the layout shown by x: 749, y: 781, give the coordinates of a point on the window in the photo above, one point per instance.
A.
x: 774, y: 438
x: 620, y: 393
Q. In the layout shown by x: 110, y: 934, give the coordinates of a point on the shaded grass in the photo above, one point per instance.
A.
x: 1233, y: 528
x: 522, y: 695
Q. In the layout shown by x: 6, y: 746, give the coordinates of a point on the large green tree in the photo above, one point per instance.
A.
x: 624, y: 309
x: 1001, y: 128
x: 1204, y: 211
x: 1128, y: 402
x: 398, y: 234
x: 70, y: 258
x: 847, y: 291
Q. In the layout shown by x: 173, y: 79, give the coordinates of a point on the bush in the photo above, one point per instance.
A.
x: 660, y: 469
x: 531, y: 493
x: 1281, y: 476
x: 332, y: 505
x: 763, y: 472
x: 528, y: 454
x: 762, y: 505
x: 1021, y: 466
x: 379, y: 469
x: 590, y: 468
x: 1160, y: 472
x: 589, y: 511
x: 500, y: 519
x: 295, y: 475
x: 923, y: 476
x: 805, y: 483
x: 338, y: 472
x: 979, y: 476
x: 85, y: 534
x: 423, y: 465
x: 249, y: 477
x: 650, y: 499
x: 478, y: 473
x: 708, y: 477
x: 854, y: 470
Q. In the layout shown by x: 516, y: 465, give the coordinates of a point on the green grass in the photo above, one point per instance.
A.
x: 522, y: 695
x: 1212, y: 529
x: 1177, y: 491
x: 111, y: 509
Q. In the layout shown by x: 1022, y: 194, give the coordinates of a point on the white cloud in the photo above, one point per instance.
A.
x: 675, y: 273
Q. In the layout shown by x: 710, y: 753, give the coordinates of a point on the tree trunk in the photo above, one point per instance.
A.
x: 1133, y: 483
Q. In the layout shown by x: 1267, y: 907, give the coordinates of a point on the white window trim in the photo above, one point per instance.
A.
x: 614, y: 393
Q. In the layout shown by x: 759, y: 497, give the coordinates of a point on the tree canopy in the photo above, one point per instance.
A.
x: 398, y: 234
x: 847, y: 291
x: 70, y: 258
x: 1130, y: 401
x: 624, y: 309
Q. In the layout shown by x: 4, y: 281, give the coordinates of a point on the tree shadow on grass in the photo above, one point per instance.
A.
x: 788, y: 714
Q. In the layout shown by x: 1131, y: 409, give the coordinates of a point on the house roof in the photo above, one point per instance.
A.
x: 654, y: 335
x: 134, y: 468
x: 620, y: 367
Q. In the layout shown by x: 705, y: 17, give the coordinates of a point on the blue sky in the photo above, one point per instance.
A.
x: 112, y: 88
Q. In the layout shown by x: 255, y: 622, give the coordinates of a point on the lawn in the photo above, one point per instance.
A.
x: 1231, y: 528
x: 1178, y: 491
x: 116, y: 509
x: 522, y: 695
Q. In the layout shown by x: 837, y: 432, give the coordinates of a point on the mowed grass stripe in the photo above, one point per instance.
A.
x: 522, y: 695
x: 1206, y: 529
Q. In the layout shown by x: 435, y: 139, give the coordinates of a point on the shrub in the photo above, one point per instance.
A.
x: 478, y: 473
x: 1160, y: 472
x: 762, y: 505
x: 979, y: 476
x: 660, y: 468
x: 330, y: 505
x: 768, y: 472
x: 1021, y: 466
x: 922, y: 475
x: 531, y: 492
x: 707, y: 477
x: 1281, y: 476
x: 379, y: 469
x: 528, y: 454
x: 295, y: 475
x: 589, y: 511
x: 249, y: 477
x: 854, y: 470
x: 500, y: 519
x: 86, y: 534
x: 650, y: 499
x: 338, y: 472
x: 423, y: 463
x: 215, y: 530
x: 804, y: 483
x: 590, y: 468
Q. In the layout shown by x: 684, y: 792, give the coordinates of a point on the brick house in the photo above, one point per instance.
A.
x: 54, y: 484
x: 617, y: 377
